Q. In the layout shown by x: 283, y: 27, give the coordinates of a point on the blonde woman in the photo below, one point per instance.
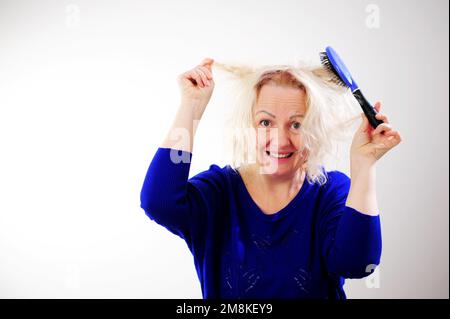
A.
x: 280, y: 225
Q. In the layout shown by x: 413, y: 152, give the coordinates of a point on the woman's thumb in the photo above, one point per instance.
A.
x: 207, y: 62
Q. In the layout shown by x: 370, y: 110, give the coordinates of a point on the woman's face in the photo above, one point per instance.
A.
x: 277, y: 116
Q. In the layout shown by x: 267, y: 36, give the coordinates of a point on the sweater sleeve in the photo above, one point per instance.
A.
x: 351, y: 241
x: 172, y: 200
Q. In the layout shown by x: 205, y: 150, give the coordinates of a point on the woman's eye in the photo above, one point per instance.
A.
x: 264, y: 123
x: 296, y: 125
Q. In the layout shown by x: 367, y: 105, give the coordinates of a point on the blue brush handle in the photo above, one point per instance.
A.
x: 368, y: 109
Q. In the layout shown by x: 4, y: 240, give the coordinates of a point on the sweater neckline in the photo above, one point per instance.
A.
x: 258, y: 211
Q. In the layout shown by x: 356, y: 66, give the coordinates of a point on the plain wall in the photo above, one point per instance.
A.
x: 88, y: 91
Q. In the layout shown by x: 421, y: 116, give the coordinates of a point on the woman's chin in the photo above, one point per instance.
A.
x: 276, y: 166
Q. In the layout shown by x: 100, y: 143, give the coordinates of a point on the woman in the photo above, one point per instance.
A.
x: 281, y: 226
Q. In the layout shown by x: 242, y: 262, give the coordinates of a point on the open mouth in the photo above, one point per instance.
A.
x: 276, y: 155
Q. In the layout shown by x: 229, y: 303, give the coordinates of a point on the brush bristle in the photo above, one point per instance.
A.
x: 334, y: 77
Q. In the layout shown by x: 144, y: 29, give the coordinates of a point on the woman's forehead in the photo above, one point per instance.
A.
x: 281, y: 99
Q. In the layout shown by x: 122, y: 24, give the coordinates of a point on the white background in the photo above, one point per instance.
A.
x: 88, y: 91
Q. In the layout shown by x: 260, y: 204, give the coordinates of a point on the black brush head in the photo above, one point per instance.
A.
x: 334, y: 77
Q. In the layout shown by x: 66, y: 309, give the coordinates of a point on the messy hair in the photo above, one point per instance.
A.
x: 330, y: 110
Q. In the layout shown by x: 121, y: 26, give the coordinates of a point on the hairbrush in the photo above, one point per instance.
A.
x: 341, y: 76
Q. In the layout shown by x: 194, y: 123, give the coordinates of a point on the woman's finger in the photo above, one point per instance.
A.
x: 207, y: 72
x: 382, y: 127
x: 196, y: 76
x: 394, y: 133
x: 207, y: 61
x: 394, y: 138
x: 382, y: 117
x: 202, y: 75
x: 377, y: 106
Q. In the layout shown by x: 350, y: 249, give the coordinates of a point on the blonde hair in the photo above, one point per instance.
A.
x: 330, y: 110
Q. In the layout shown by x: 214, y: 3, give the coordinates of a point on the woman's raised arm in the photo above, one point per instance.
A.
x: 196, y: 87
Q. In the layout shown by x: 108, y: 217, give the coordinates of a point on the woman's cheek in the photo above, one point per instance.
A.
x: 261, y: 139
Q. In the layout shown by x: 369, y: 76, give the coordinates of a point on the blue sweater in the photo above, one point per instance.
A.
x: 305, y: 250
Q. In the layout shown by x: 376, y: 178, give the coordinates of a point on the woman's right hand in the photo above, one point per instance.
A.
x: 197, y: 84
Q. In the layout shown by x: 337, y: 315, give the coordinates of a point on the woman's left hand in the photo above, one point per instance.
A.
x: 371, y: 144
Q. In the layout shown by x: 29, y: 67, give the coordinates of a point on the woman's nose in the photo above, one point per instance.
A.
x: 280, y: 137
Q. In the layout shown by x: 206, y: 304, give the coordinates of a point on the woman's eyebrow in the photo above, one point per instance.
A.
x: 292, y: 116
x: 263, y: 111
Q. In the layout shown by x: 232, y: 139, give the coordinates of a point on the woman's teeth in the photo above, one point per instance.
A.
x: 276, y: 155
